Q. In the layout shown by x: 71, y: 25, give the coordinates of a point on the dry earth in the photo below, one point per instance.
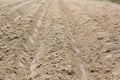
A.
x: 59, y: 40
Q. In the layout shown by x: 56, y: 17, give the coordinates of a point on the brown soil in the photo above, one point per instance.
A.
x: 59, y: 40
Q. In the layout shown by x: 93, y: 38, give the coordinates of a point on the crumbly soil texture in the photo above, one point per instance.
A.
x: 59, y: 40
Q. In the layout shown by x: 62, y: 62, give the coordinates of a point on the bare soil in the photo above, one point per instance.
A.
x: 59, y: 40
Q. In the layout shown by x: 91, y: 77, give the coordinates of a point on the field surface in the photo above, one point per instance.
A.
x: 59, y: 40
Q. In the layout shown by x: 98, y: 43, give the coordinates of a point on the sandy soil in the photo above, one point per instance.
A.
x: 59, y: 40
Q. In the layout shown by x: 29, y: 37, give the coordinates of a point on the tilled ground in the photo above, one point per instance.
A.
x: 59, y: 40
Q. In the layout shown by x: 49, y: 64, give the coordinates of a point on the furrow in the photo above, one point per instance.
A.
x: 92, y: 39
x: 78, y: 55
x: 56, y: 55
x: 17, y: 56
x: 18, y: 12
x: 4, y: 9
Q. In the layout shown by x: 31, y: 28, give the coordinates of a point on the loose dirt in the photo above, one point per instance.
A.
x: 59, y: 40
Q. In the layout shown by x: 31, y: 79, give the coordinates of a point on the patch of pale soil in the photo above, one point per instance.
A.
x: 59, y: 40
